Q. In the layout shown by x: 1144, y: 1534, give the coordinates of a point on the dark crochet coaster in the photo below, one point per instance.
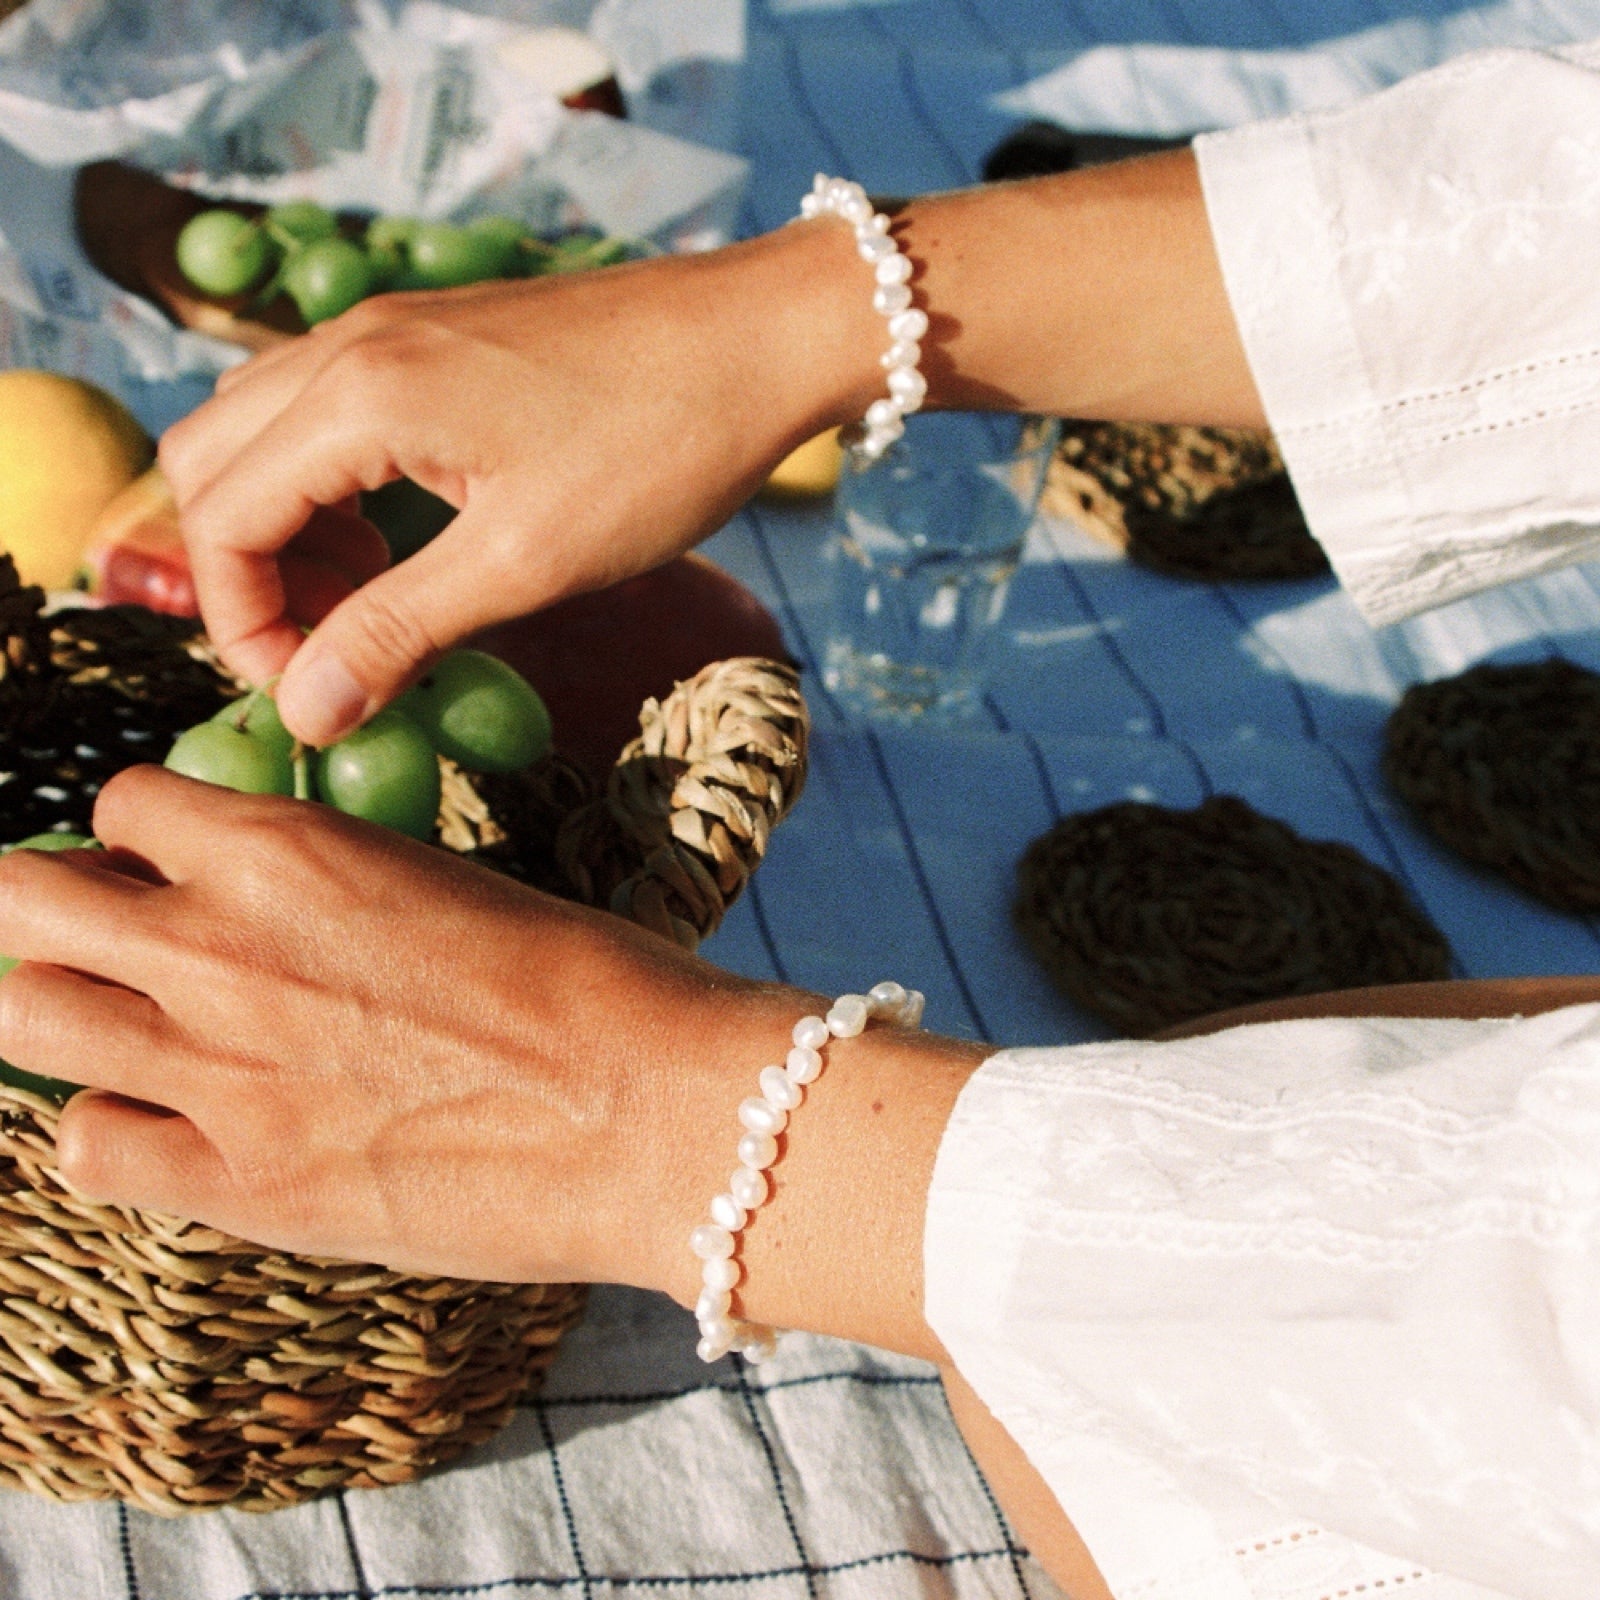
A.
x: 1148, y: 916
x: 1204, y: 503
x: 1503, y: 765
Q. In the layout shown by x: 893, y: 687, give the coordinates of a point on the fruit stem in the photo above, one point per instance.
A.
x: 301, y: 762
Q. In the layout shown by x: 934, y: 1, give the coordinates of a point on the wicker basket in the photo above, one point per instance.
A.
x: 167, y: 1364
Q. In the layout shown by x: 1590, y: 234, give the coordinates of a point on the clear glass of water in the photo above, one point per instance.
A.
x: 926, y: 544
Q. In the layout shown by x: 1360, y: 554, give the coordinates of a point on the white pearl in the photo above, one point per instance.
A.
x: 760, y: 1344
x: 911, y: 324
x: 728, y: 1213
x: 838, y: 192
x: 810, y: 206
x: 813, y: 1031
x: 902, y: 353
x: 763, y: 1115
x: 721, y: 1272
x: 749, y: 1187
x: 878, y: 222
x: 911, y: 1012
x: 893, y: 269
x: 720, y: 1330
x: 708, y: 1352
x: 880, y: 414
x: 908, y: 386
x: 889, y: 298
x: 712, y: 1303
x: 780, y: 1089
x: 875, y: 247
x: 803, y: 1065
x: 848, y: 1016
x: 871, y: 448
x: 710, y: 1241
x: 886, y: 998
x: 819, y: 184
x: 856, y: 210
x: 758, y: 1150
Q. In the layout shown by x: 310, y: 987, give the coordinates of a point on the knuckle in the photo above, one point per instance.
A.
x: 391, y: 629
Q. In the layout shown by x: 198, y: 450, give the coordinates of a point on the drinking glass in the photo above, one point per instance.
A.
x: 926, y: 543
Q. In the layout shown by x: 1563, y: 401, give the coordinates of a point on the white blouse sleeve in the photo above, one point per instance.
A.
x: 1417, y: 282
x: 1296, y: 1307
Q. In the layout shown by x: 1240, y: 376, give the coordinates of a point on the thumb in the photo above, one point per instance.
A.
x: 372, y: 644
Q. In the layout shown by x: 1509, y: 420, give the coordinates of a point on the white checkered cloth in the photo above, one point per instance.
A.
x: 830, y: 1473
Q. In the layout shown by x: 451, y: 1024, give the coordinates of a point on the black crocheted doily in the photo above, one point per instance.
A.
x: 1503, y: 765
x: 1148, y: 916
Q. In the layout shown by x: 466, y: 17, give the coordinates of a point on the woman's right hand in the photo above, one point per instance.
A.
x: 587, y: 428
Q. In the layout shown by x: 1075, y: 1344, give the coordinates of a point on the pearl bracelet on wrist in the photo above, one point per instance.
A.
x: 885, y: 419
x: 764, y: 1117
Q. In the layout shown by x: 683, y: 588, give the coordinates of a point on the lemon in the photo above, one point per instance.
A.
x: 67, y: 449
x: 813, y: 468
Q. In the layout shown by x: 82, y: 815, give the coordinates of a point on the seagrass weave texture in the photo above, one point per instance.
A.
x: 1191, y: 502
x: 1148, y: 916
x: 1502, y: 763
x: 170, y: 1365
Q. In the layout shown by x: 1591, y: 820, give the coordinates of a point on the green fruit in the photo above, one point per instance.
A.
x: 502, y: 239
x: 222, y: 253
x: 386, y: 772
x: 53, y: 842
x: 386, y: 267
x: 327, y: 278
x: 302, y: 220
x: 481, y: 713
x: 257, y: 715
x: 217, y: 752
x: 390, y: 233
x: 444, y: 256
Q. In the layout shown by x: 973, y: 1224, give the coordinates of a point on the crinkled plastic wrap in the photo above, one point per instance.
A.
x: 407, y: 107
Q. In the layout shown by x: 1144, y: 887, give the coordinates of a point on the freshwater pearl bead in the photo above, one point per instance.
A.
x: 911, y: 1011
x: 856, y: 210
x: 910, y: 324
x: 881, y: 414
x: 811, y: 206
x: 908, y: 386
x: 876, y: 247
x: 721, y: 1272
x: 838, y: 192
x: 888, y: 298
x: 886, y: 998
x: 893, y: 269
x: 812, y: 1032
x: 762, y: 1114
x: 749, y: 1187
x: 903, y: 353
x: 878, y: 222
x: 758, y: 1150
x: 711, y: 1240
x: 715, y: 1243
x: 848, y: 1015
x: 779, y: 1088
x: 712, y: 1303
x: 803, y: 1065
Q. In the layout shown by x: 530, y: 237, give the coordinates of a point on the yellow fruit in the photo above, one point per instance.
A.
x: 67, y: 449
x: 812, y: 469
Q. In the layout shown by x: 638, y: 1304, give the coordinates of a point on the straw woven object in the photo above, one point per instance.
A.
x: 1148, y: 916
x: 1503, y: 765
x: 170, y: 1365
x: 1206, y: 503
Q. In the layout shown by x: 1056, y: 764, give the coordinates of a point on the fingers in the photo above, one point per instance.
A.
x: 117, y: 1152
x: 72, y: 908
x: 372, y: 644
x: 64, y: 1024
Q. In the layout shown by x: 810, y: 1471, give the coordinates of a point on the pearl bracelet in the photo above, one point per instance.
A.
x: 763, y: 1118
x: 885, y: 419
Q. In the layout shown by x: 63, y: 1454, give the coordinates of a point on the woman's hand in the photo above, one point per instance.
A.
x: 587, y: 428
x: 323, y: 1037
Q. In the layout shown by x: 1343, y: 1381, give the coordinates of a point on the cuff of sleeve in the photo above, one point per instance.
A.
x: 1425, y: 488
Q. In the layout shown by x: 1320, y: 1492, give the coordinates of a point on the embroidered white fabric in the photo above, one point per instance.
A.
x: 1300, y: 1311
x: 1413, y: 278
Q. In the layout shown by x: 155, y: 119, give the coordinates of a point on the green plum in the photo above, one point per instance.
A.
x: 257, y: 715
x: 502, y: 239
x: 386, y: 772
x: 444, y: 256
x: 217, y: 752
x: 223, y: 253
x: 301, y: 221
x: 53, y: 842
x: 327, y: 278
x: 481, y: 713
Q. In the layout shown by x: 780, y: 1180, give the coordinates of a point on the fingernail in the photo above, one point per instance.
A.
x: 321, y: 701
